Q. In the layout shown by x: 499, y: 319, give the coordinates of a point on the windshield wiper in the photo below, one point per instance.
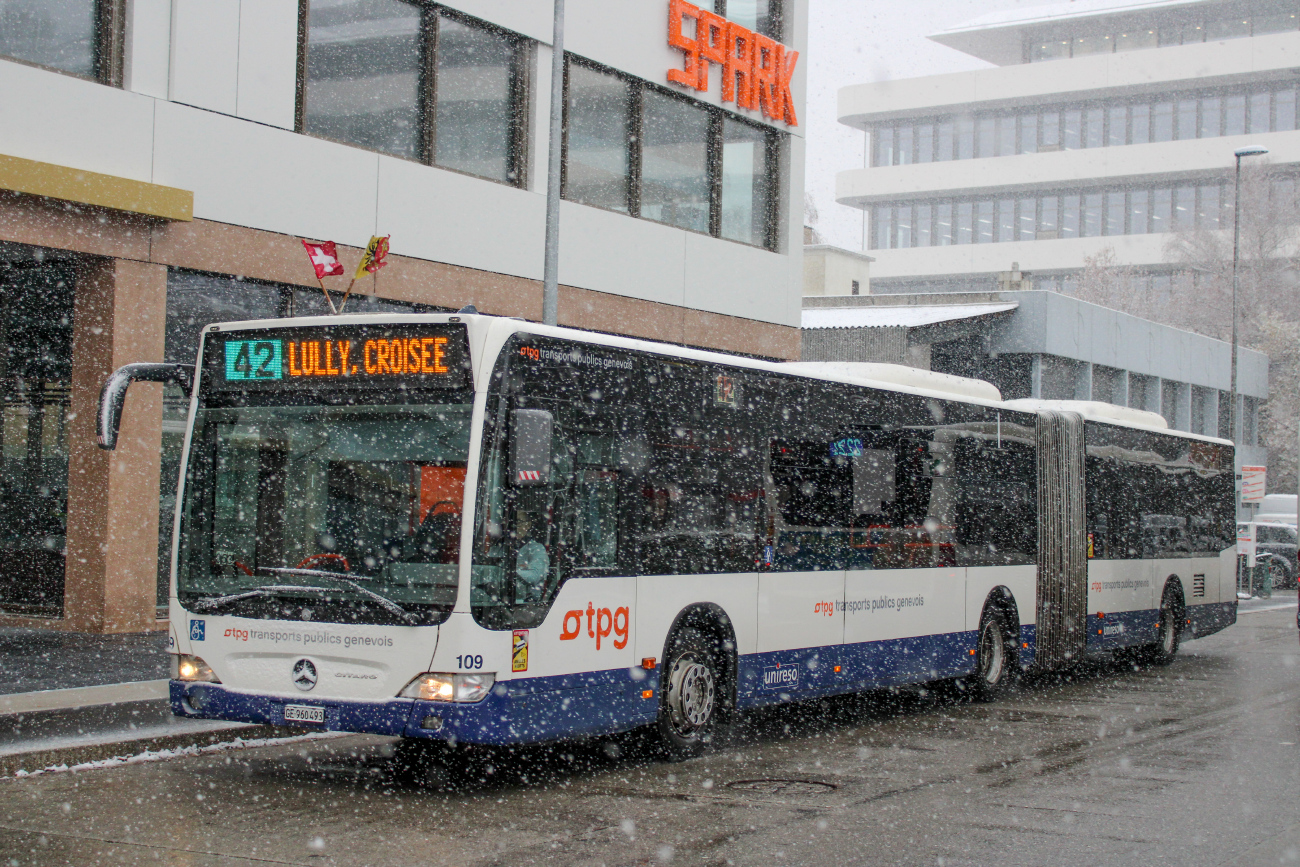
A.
x: 351, y: 581
x: 211, y: 603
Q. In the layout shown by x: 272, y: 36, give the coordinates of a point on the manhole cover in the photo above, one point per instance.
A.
x: 783, y: 787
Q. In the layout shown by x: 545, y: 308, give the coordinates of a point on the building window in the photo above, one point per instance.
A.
x: 638, y: 150
x: 761, y: 16
x: 675, y: 162
x: 418, y: 83
x: 747, y: 173
x: 599, y: 139
x: 81, y: 37
x: 1213, y: 29
x: 1050, y: 215
x: 857, y: 288
x: 1180, y: 116
x: 36, y: 307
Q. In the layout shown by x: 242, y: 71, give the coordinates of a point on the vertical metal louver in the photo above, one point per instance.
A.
x: 1062, y: 542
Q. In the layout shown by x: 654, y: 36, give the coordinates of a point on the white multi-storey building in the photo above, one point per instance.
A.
x: 160, y: 161
x: 1104, y: 123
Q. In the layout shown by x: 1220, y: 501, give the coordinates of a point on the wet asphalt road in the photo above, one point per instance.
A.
x: 1193, y: 764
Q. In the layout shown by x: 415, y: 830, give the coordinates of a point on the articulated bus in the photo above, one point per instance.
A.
x: 477, y: 530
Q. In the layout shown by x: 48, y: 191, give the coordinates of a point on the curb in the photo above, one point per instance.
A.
x: 94, y: 752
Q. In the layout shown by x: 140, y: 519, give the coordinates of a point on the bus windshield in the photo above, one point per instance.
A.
x: 328, y: 513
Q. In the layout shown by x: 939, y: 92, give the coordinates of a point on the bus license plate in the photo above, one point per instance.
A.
x: 303, y: 713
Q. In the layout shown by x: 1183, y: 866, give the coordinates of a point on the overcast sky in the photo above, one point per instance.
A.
x: 856, y: 41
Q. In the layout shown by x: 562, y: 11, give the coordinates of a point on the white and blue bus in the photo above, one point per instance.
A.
x: 479, y: 530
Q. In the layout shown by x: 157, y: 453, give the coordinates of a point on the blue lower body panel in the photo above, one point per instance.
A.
x: 1208, y: 619
x: 540, y: 709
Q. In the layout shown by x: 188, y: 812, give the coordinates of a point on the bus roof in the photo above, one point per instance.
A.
x: 890, y: 377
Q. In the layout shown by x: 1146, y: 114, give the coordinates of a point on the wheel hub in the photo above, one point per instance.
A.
x: 691, y: 694
x: 992, y: 653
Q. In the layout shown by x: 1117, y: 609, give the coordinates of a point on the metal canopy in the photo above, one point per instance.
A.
x: 909, y: 316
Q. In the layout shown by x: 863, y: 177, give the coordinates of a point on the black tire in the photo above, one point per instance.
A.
x: 1169, y: 631
x: 1278, y: 576
x: 424, y: 763
x: 692, y: 693
x: 997, y: 659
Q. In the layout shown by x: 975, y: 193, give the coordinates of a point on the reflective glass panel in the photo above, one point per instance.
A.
x: 746, y: 183
x: 1092, y: 215
x: 54, y: 33
x: 1094, y: 122
x: 925, y: 143
x: 596, y: 171
x: 944, y: 140
x: 1284, y: 105
x: 943, y: 224
x: 1184, y: 207
x: 965, y: 222
x: 363, y: 74
x: 1070, y: 216
x: 1260, y: 112
x: 984, y: 222
x: 1211, y: 116
x: 884, y: 145
x: 1186, y: 118
x: 1138, y: 210
x: 1162, y: 121
x: 474, y: 120
x: 1006, y: 220
x: 1114, y: 213
x: 1162, y: 210
x: 36, y: 308
x: 903, y: 153
x: 1139, y: 124
x: 761, y: 16
x: 1117, y: 126
x: 675, y: 163
x: 1234, y: 115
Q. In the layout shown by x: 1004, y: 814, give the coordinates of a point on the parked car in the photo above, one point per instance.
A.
x: 1281, y: 541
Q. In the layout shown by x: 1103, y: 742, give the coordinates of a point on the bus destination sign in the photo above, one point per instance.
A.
x: 366, y: 356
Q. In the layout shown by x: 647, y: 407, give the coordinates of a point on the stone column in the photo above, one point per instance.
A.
x: 119, y: 316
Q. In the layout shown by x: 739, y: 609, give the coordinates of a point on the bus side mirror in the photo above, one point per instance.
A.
x: 113, y: 395
x: 530, y: 447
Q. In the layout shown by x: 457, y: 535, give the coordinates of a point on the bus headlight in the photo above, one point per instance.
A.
x: 435, y: 686
x: 191, y: 669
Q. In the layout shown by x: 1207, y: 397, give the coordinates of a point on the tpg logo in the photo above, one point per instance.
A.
x: 827, y: 608
x: 237, y: 634
x: 600, y: 623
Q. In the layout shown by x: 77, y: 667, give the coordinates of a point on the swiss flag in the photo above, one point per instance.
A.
x: 324, y: 258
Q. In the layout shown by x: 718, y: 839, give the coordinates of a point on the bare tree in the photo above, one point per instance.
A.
x: 1199, y: 295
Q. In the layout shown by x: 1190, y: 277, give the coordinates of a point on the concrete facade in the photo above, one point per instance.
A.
x: 184, y: 161
x: 1205, y: 87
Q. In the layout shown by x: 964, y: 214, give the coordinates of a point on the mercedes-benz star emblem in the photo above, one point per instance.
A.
x: 304, y: 674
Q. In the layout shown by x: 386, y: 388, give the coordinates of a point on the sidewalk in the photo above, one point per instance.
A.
x: 33, y: 659
x: 68, y: 697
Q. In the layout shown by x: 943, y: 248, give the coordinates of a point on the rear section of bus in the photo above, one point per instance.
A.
x: 319, y: 522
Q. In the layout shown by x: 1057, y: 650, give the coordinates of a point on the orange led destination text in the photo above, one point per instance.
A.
x: 399, y: 356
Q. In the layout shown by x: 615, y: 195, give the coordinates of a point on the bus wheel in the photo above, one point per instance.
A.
x: 424, y: 763
x: 690, y: 695
x: 996, y: 659
x: 1168, y: 632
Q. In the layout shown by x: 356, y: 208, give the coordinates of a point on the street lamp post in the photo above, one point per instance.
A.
x: 551, y: 261
x: 1247, y: 151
